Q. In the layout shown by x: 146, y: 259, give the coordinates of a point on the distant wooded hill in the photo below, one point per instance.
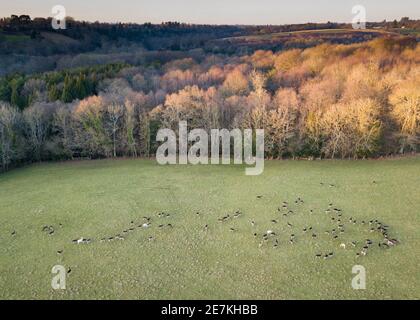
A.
x: 81, y: 36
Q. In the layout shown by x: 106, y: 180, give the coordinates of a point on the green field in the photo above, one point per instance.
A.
x: 100, y: 199
x: 317, y: 32
x: 13, y: 37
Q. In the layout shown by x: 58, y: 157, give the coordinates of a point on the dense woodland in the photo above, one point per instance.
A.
x: 30, y: 45
x: 330, y: 100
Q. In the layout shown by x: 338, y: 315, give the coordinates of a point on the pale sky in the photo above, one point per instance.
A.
x: 216, y: 11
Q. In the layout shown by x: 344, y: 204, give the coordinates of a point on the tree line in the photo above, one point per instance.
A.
x: 329, y: 101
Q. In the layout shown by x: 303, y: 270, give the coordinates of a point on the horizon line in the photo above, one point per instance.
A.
x: 209, y: 24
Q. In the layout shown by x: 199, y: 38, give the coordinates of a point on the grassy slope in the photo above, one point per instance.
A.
x: 14, y: 37
x: 318, y: 32
x: 57, y: 38
x: 97, y: 199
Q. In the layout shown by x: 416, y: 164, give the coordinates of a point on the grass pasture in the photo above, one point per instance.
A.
x: 319, y: 34
x: 13, y: 37
x: 100, y: 199
x: 57, y: 38
x: 313, y: 32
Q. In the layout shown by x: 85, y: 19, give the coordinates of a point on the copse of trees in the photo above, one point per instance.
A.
x: 22, y: 91
x: 329, y: 101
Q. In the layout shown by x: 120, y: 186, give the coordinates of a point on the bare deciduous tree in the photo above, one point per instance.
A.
x: 37, y: 124
x: 115, y: 112
x: 9, y: 135
x: 405, y: 101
